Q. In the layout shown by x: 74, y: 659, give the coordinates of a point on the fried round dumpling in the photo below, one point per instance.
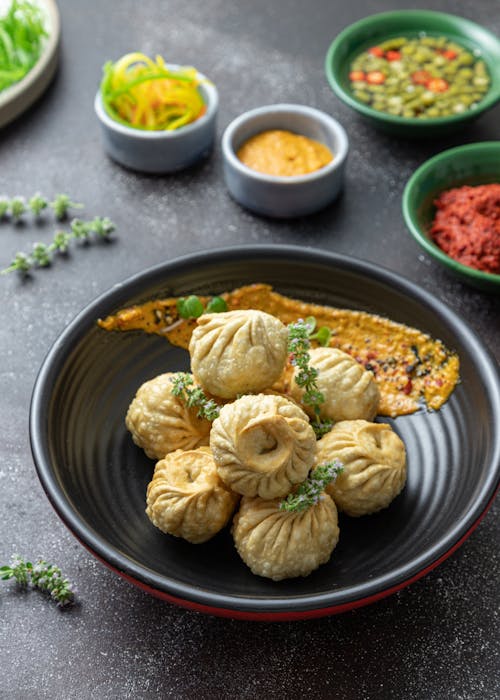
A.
x: 238, y: 352
x: 374, y: 461
x: 282, y: 544
x: 187, y: 498
x: 262, y: 445
x: 349, y: 390
x: 161, y: 422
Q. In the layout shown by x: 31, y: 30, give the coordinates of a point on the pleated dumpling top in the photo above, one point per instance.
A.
x: 161, y: 422
x: 349, y: 390
x: 238, y: 352
x: 279, y: 544
x: 374, y: 461
x: 186, y: 497
x: 262, y: 445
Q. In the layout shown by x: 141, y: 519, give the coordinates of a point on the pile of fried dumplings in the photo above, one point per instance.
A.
x: 259, y: 449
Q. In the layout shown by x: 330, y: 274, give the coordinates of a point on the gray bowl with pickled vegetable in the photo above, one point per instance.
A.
x: 416, y: 72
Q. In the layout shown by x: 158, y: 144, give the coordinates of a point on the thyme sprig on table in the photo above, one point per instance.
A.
x: 17, y: 206
x: 43, y: 576
x: 42, y: 254
x: 299, y: 343
x: 309, y: 492
x: 193, y: 396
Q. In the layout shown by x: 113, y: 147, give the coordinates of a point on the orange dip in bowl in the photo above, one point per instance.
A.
x: 283, y: 153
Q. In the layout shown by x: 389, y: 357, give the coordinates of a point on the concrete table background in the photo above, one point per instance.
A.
x: 436, y: 639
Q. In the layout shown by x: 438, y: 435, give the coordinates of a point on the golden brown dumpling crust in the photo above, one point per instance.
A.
x: 374, y: 461
x: 161, y: 422
x: 262, y: 445
x: 349, y: 390
x: 186, y: 497
x: 280, y: 544
x: 238, y: 352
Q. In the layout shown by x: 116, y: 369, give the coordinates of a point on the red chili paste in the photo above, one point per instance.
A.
x: 467, y: 226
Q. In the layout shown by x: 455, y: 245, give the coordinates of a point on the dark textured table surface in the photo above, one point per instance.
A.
x: 436, y: 639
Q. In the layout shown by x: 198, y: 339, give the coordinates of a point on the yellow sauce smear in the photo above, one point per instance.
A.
x: 283, y: 153
x: 409, y: 366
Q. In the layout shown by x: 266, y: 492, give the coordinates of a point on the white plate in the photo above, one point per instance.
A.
x: 16, y: 99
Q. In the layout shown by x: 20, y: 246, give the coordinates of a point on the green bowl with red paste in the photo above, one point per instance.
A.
x: 377, y: 30
x: 451, y: 199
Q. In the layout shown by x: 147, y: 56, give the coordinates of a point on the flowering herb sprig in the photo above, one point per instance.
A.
x: 46, y: 577
x: 61, y: 205
x: 17, y: 206
x: 193, y: 396
x: 42, y: 254
x: 299, y: 343
x: 37, y: 204
x: 192, y: 306
x: 322, y: 336
x: 309, y: 492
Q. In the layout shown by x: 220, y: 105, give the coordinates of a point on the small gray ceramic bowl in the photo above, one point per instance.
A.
x: 160, y: 152
x: 283, y: 196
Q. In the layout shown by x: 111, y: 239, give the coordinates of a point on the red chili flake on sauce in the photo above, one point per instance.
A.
x: 408, y: 387
x: 466, y: 226
x: 449, y: 54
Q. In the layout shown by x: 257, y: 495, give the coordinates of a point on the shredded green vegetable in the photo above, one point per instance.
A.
x: 22, y: 33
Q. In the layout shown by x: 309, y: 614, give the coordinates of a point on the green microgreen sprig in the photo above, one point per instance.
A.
x: 42, y: 254
x: 192, y: 306
x: 309, y: 492
x: 43, y: 576
x: 299, y: 343
x: 193, y: 396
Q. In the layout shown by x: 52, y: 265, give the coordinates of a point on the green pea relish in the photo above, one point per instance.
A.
x: 423, y: 77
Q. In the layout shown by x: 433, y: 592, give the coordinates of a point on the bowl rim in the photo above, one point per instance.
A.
x: 212, y: 102
x: 196, y: 597
x: 491, y: 98
x: 419, y: 235
x: 329, y: 122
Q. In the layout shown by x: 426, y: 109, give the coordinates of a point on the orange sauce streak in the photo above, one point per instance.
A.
x: 409, y: 366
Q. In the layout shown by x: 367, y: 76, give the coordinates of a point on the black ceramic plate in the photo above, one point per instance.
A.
x: 96, y: 478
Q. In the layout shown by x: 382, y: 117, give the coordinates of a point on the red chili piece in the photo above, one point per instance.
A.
x: 421, y: 77
x: 376, y: 51
x: 450, y: 54
x: 393, y: 55
x: 408, y: 387
x: 357, y: 75
x: 375, y: 77
x: 437, y: 85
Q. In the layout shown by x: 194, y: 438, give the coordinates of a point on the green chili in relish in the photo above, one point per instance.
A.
x: 423, y: 77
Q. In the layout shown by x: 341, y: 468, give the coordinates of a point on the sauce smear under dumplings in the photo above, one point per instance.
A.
x: 409, y: 366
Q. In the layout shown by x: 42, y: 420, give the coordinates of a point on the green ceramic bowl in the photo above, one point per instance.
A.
x: 359, y: 36
x: 474, y: 164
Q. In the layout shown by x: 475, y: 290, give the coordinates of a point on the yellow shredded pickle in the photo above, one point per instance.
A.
x: 146, y: 94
